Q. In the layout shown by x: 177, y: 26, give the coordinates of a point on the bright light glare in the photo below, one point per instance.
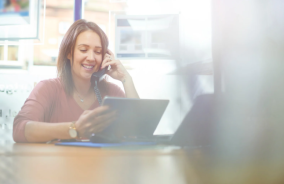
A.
x: 150, y: 7
x: 195, y: 27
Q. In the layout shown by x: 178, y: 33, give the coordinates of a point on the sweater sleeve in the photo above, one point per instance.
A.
x: 37, y: 106
x: 116, y: 91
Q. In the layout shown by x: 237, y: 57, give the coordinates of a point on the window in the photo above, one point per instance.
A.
x: 1, y: 53
x: 9, y: 57
x: 58, y: 18
x: 13, y: 51
x: 98, y: 11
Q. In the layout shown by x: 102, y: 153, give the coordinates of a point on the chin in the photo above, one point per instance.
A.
x: 87, y: 76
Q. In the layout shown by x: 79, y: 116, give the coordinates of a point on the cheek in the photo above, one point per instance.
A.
x: 76, y: 61
x: 78, y: 56
x: 99, y: 59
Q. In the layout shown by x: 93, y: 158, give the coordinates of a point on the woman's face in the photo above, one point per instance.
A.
x: 87, y: 55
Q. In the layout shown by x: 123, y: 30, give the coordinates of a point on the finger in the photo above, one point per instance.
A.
x: 107, y: 55
x: 95, y: 128
x: 99, y: 127
x: 98, y: 111
x: 106, y: 59
x: 102, y: 126
x: 92, y: 122
x: 104, y: 122
x: 90, y: 119
x: 111, y: 63
x: 108, y: 122
x: 84, y: 116
x: 86, y: 111
x: 111, y: 53
x: 102, y: 118
x: 105, y: 62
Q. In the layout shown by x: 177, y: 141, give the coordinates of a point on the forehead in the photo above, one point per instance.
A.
x: 89, y: 38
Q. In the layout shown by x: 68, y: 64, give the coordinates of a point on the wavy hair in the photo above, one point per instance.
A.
x: 67, y: 46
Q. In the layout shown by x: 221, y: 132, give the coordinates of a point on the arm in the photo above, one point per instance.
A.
x: 35, y: 109
x: 89, y: 122
x: 129, y: 88
x: 43, y: 132
x: 118, y: 72
x: 29, y: 125
x: 32, y: 122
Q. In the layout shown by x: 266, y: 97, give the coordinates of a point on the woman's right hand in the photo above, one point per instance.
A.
x: 94, y: 121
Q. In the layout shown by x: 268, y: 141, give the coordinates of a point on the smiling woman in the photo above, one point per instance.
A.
x: 87, y: 56
x: 67, y: 107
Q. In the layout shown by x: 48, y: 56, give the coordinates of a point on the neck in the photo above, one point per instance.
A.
x: 82, y: 86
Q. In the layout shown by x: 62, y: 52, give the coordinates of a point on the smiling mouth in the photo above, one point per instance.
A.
x: 88, y: 67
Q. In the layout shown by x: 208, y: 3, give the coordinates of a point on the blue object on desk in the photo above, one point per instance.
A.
x: 104, y: 145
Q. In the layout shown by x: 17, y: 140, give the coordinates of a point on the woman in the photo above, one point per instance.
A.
x: 68, y: 107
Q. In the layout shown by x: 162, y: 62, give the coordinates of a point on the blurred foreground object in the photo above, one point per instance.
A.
x: 248, y: 132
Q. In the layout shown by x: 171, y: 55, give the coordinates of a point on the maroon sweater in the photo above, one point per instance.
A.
x: 48, y: 102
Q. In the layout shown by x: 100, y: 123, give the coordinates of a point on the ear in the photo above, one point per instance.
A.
x: 69, y: 56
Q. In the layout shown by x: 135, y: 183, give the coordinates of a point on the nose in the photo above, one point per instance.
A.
x: 91, y: 56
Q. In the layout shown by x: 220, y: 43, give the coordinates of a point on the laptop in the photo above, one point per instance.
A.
x: 198, y: 126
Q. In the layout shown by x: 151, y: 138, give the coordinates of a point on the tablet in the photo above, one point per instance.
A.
x: 136, y: 117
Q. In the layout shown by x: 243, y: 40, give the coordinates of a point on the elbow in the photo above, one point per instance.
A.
x: 17, y: 138
x: 19, y: 132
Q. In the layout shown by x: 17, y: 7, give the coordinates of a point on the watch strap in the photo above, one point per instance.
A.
x: 73, y: 126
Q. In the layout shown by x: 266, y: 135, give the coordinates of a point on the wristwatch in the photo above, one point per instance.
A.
x: 72, y: 130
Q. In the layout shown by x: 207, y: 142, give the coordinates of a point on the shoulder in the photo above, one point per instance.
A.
x: 48, y: 86
x: 55, y: 82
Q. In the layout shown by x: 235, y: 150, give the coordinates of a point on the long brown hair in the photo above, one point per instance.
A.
x: 67, y: 46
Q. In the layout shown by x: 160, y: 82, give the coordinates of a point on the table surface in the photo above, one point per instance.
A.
x: 47, y: 163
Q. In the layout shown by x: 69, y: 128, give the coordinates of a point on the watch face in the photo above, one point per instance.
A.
x: 73, y: 133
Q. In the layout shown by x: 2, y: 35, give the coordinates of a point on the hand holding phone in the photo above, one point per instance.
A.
x: 99, y: 74
x: 117, y: 70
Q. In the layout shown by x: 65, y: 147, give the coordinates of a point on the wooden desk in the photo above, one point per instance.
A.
x: 47, y: 163
x: 50, y: 164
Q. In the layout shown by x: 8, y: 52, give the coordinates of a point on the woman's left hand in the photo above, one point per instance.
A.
x: 117, y: 70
